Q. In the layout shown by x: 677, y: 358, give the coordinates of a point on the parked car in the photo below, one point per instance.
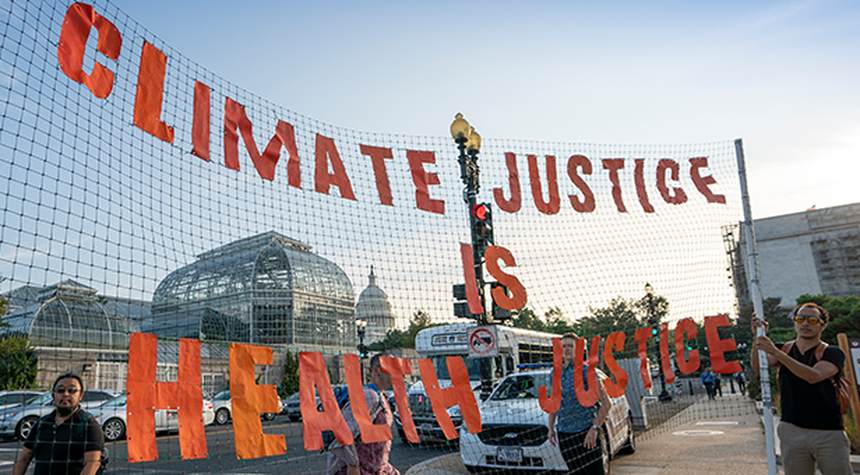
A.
x: 515, y: 435
x: 18, y: 420
x: 223, y: 407
x: 112, y: 417
x: 16, y: 398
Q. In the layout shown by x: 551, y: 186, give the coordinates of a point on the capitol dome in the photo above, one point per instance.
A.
x: 373, y: 307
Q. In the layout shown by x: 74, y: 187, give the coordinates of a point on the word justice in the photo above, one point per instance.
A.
x: 330, y: 170
x: 249, y: 399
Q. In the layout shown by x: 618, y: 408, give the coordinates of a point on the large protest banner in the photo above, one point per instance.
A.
x: 142, y: 192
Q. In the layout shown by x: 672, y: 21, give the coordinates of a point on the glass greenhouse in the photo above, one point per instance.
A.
x: 266, y: 289
x: 69, y: 314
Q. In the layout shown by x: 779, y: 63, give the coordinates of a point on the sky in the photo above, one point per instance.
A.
x: 780, y: 75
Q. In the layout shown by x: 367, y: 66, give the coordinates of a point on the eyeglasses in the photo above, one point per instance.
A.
x: 67, y: 390
x: 813, y: 320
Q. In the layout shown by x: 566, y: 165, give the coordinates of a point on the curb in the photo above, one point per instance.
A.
x: 448, y: 464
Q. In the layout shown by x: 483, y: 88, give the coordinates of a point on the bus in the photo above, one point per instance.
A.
x: 518, y: 348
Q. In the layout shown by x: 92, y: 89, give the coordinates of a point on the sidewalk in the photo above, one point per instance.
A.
x: 729, y: 445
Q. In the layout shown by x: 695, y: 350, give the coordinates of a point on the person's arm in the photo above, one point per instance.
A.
x: 811, y: 374
x: 552, y: 435
x: 23, y: 461
x: 92, y: 462
x: 599, y: 419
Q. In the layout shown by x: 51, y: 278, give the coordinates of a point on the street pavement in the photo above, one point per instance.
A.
x: 222, y: 458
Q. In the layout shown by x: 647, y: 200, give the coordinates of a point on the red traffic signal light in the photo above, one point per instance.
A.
x: 481, y: 212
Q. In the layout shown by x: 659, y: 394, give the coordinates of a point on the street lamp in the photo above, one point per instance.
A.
x: 652, y: 320
x: 468, y: 142
x: 361, y: 330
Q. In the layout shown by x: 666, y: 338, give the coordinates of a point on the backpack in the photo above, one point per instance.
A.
x: 840, y: 384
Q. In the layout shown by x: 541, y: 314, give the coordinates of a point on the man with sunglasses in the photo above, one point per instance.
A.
x: 810, y: 429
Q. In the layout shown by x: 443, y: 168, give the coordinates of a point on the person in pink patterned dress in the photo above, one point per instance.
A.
x: 361, y: 458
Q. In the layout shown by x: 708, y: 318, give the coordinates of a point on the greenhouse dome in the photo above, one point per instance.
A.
x: 69, y: 314
x: 265, y: 289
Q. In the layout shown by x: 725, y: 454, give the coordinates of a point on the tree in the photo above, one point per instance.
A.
x: 620, y: 315
x: 290, y: 380
x: 556, y: 322
x: 528, y: 319
x: 844, y: 314
x: 404, y: 339
x: 18, y: 363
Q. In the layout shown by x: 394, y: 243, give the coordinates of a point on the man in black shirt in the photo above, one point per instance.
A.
x: 67, y: 441
x: 810, y: 428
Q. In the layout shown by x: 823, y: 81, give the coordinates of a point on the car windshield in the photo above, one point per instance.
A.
x: 117, y: 401
x: 222, y: 396
x: 41, y: 399
x: 473, y: 367
x: 521, y: 387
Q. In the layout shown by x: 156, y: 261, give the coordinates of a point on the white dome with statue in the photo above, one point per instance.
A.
x: 373, y: 307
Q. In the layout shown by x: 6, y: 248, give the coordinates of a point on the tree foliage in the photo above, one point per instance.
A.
x: 290, y: 380
x: 18, y: 363
x: 404, y: 338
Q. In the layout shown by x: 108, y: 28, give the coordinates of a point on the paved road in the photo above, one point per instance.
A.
x: 222, y: 458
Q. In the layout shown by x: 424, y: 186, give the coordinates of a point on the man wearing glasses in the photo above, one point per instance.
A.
x: 810, y: 429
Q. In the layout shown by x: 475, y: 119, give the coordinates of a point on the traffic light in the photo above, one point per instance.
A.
x: 654, y: 331
x: 461, y: 306
x: 362, y: 351
x: 499, y: 313
x: 482, y: 221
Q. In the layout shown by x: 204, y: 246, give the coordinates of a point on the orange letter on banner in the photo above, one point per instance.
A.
x: 423, y: 179
x: 378, y: 155
x: 472, y: 297
x: 518, y: 293
x: 150, y: 93
x: 236, y: 118
x: 615, y: 341
x: 200, y: 128
x: 551, y: 405
x: 397, y: 368
x: 639, y: 178
x: 326, y: 151
x: 313, y: 377
x: 586, y: 205
x: 642, y: 337
x: 460, y: 393
x: 249, y: 400
x: 552, y: 205
x: 668, y: 373
x: 146, y: 395
x: 613, y: 165
x: 686, y: 328
x: 718, y: 347
x: 370, y: 432
x: 79, y: 20
x: 513, y: 205
x: 587, y: 398
x: 679, y: 197
x: 703, y: 184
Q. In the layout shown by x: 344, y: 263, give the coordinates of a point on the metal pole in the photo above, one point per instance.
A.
x: 755, y: 295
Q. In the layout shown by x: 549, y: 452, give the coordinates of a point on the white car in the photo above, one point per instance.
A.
x: 18, y: 420
x: 514, y: 429
x: 112, y: 417
x: 223, y: 408
x: 16, y: 398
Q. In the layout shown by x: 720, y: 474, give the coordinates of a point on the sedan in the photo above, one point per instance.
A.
x: 17, y: 421
x: 223, y: 407
x: 112, y: 417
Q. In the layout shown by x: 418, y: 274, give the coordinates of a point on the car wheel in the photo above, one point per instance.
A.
x: 268, y: 417
x: 606, y: 451
x: 114, y: 429
x: 630, y: 445
x: 222, y: 416
x: 25, y: 426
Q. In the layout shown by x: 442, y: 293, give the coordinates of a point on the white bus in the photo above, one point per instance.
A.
x: 518, y: 349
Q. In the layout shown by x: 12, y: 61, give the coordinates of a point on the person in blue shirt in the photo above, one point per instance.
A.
x: 574, y: 428
x: 709, y: 380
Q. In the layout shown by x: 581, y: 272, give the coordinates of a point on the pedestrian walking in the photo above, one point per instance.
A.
x: 741, y: 379
x: 811, y: 396
x: 718, y: 386
x: 67, y: 441
x: 574, y: 428
x: 708, y: 380
x: 366, y: 458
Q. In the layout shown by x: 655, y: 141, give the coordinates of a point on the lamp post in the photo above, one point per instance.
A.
x: 469, y: 145
x: 652, y: 320
x: 361, y: 330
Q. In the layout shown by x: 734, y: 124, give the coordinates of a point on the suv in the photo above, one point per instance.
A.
x: 18, y: 420
x: 514, y: 434
x: 222, y: 408
x: 112, y: 417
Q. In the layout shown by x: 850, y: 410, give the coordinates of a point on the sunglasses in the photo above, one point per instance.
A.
x: 67, y: 390
x: 812, y: 320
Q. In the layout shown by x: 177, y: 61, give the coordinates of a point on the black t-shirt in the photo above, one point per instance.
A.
x: 811, y: 406
x: 60, y: 449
